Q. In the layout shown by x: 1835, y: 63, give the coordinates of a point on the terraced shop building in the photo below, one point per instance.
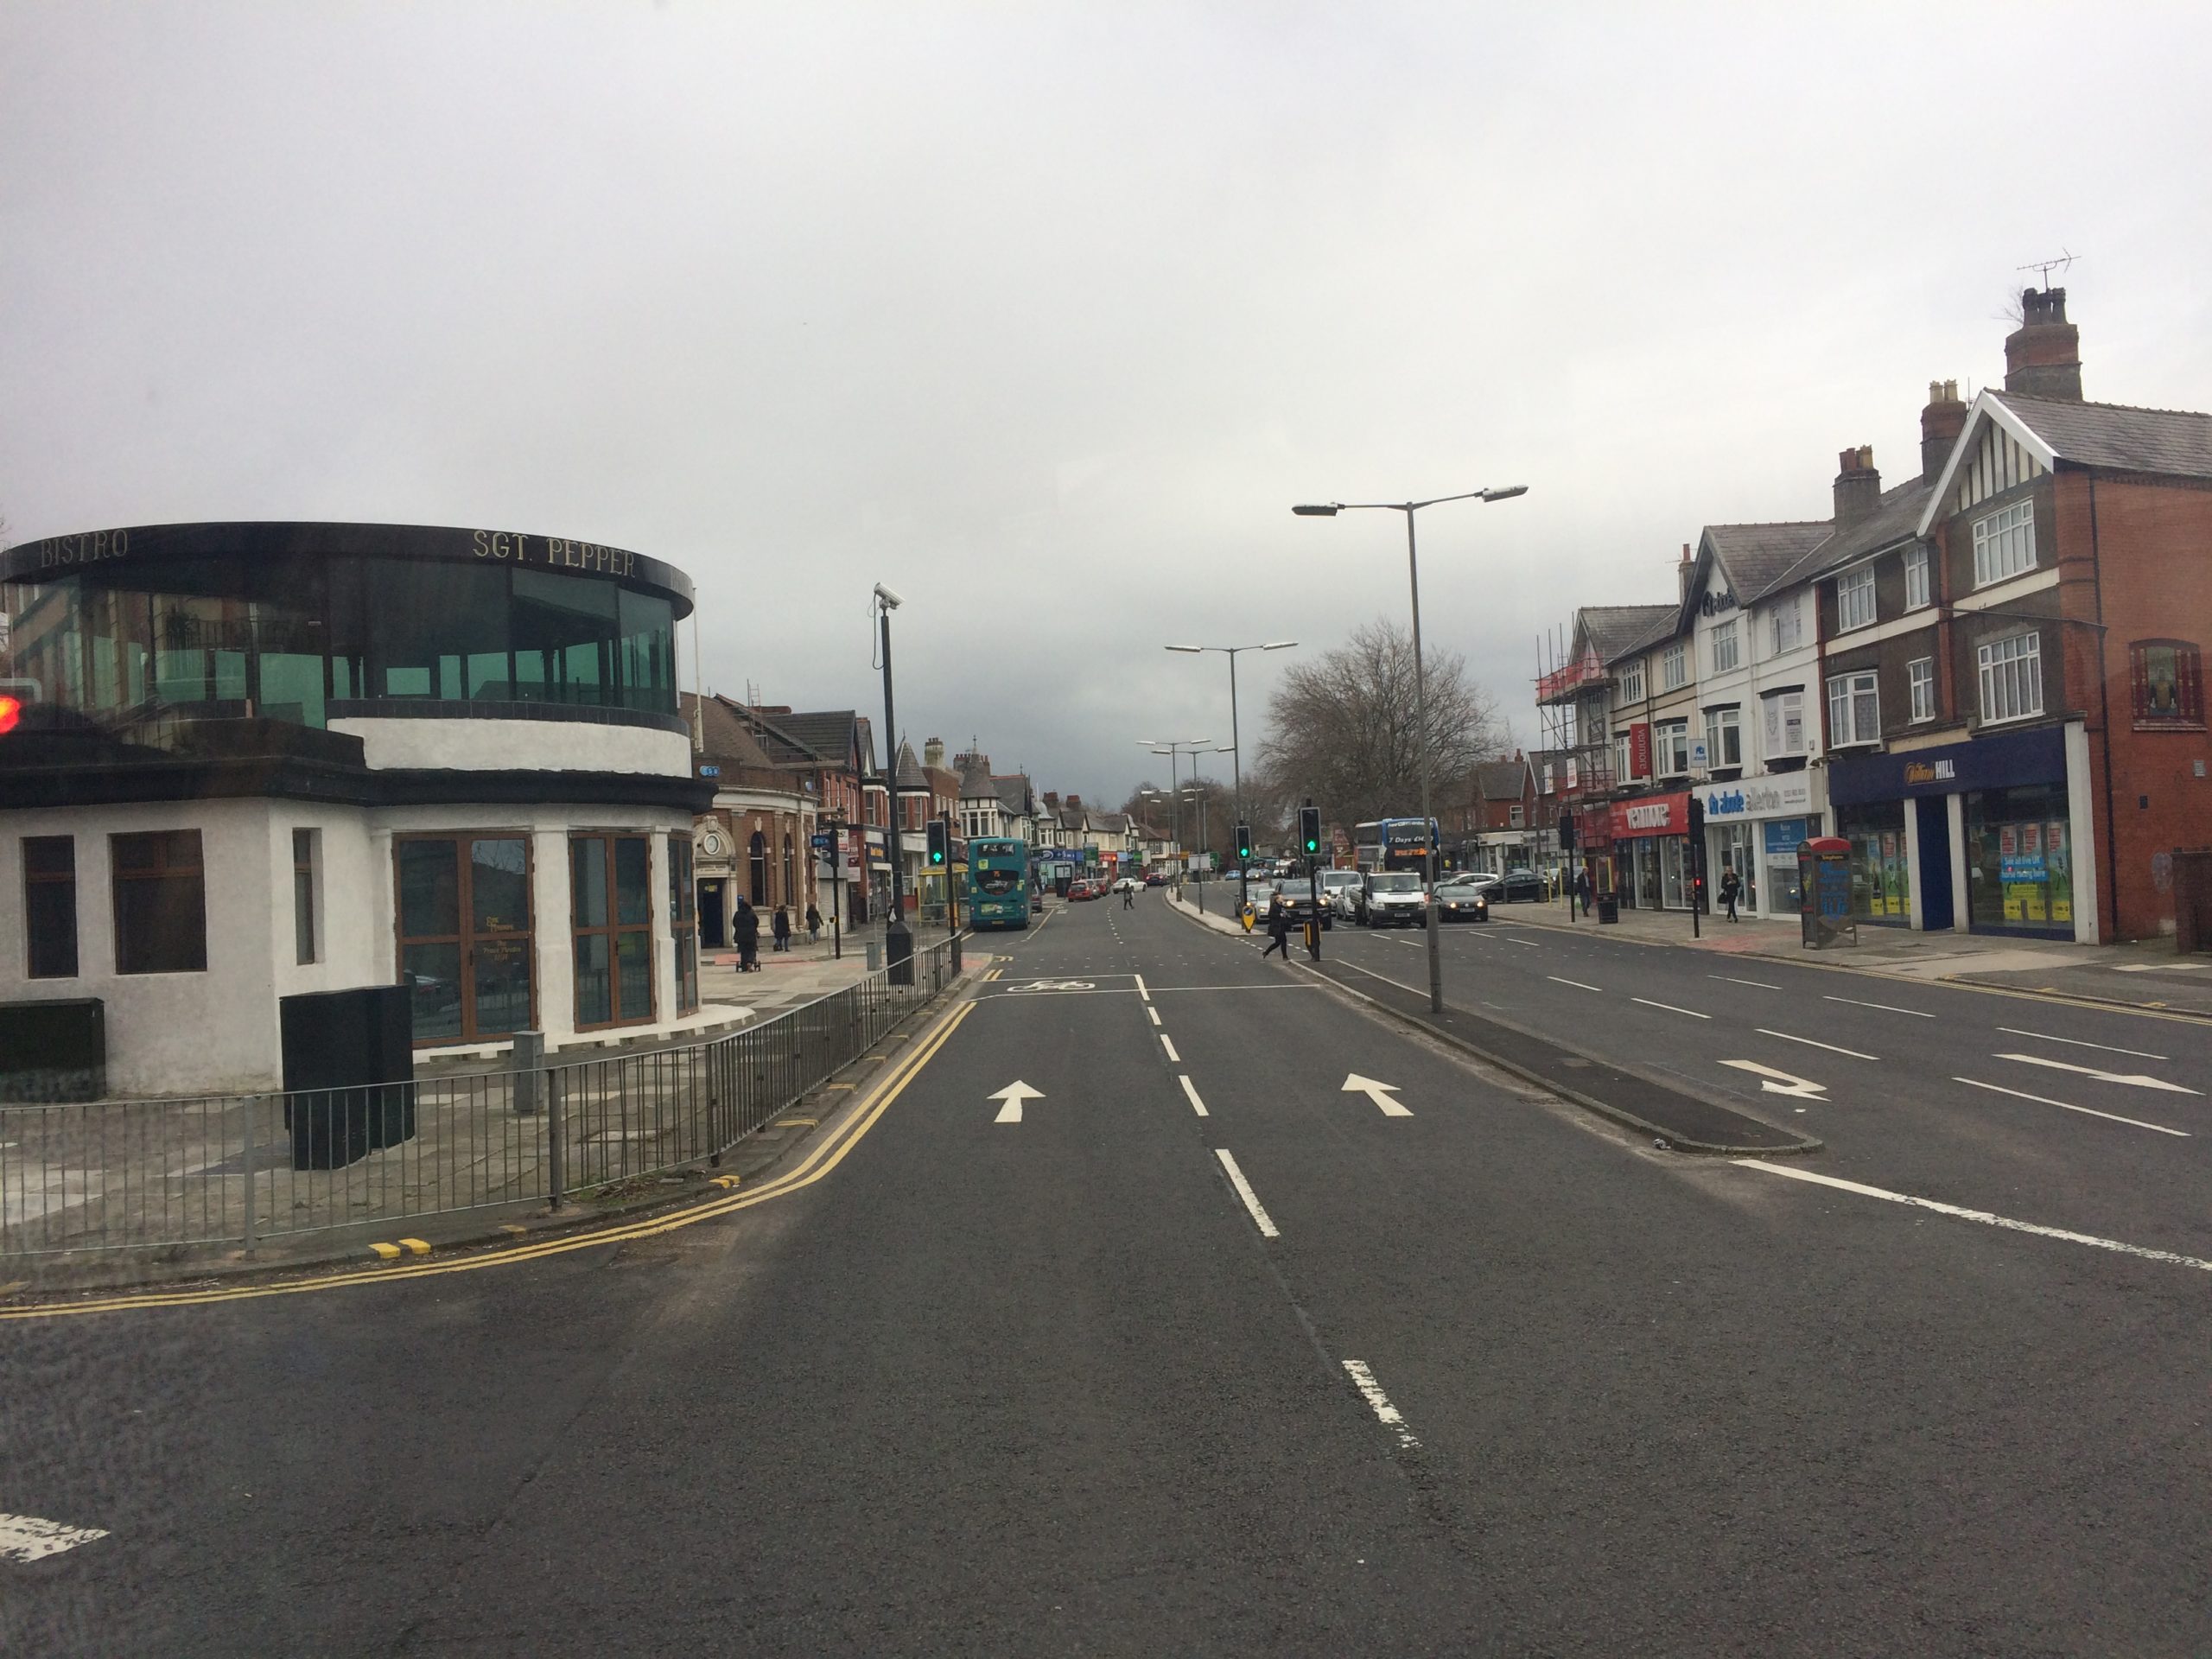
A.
x: 265, y: 758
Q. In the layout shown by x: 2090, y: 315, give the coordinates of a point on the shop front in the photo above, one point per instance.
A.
x: 1987, y: 835
x: 1651, y: 849
x: 1753, y: 827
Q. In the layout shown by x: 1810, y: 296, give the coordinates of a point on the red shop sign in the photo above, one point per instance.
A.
x: 1639, y: 749
x: 1654, y: 815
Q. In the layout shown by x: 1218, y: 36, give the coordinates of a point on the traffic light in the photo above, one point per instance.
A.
x: 1309, y: 830
x: 11, y: 710
x: 1244, y: 843
x: 940, y: 837
x: 1567, y: 832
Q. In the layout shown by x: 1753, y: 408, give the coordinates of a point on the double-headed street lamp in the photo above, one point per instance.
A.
x: 1236, y: 743
x: 1330, y: 510
x: 1172, y: 746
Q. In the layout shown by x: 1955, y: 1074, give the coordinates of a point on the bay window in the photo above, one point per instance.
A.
x: 1723, y: 736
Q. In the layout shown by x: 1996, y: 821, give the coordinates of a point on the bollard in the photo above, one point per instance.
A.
x: 874, y: 955
x: 529, y: 1070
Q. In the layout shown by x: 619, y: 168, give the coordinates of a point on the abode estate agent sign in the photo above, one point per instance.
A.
x: 1788, y: 795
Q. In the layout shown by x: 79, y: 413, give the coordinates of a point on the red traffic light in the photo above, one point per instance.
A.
x: 11, y: 711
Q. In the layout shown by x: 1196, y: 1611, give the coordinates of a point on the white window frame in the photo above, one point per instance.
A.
x: 1846, y: 727
x: 2010, y: 671
x: 1517, y: 815
x: 1671, y: 748
x: 1779, y: 712
x: 1854, y: 599
x: 1674, y: 668
x: 1917, y: 593
x: 2004, y: 544
x: 1920, y: 675
x: 1632, y: 681
x: 1727, y: 651
x: 1788, y: 623
x: 1723, y: 736
x: 1623, y: 757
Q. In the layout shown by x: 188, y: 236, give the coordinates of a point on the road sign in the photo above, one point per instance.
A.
x: 1011, y: 1097
x: 824, y: 840
x: 1377, y: 1092
x: 710, y: 772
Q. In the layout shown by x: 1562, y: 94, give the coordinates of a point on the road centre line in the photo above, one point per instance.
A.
x: 1140, y: 989
x: 1531, y: 944
x: 1268, y: 1229
x: 1733, y: 979
x: 1884, y: 1006
x: 2087, y: 1111
x: 827, y: 1151
x: 2076, y: 1042
x: 1577, y: 983
x: 1670, y: 1007
x: 1191, y: 1094
x: 1981, y: 1215
x: 1811, y: 1043
x: 1372, y: 1391
x: 1155, y: 1013
x: 1170, y: 1047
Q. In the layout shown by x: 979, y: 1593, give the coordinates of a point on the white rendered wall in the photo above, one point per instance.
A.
x: 479, y: 744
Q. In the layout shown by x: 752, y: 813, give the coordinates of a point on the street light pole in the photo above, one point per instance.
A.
x: 897, y: 937
x: 1236, y: 742
x: 1329, y: 510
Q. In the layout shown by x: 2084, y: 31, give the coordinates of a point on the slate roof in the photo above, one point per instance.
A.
x: 725, y: 735
x: 829, y: 733
x: 977, y: 784
x: 1896, y: 517
x: 1756, y: 556
x: 2175, y: 443
x: 910, y: 772
x: 1500, y: 780
x: 1015, y: 794
x: 1112, y: 823
x: 1617, y: 630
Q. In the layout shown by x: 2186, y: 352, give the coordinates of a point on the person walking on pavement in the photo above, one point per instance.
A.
x: 748, y: 938
x: 1731, y: 886
x: 1582, y: 890
x: 813, y: 923
x: 1278, y: 928
x: 781, y: 927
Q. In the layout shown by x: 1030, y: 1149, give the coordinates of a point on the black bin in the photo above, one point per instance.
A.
x: 349, y: 1071
x: 53, y: 1051
x: 1609, y: 908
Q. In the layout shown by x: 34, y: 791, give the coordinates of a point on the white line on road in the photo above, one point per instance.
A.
x: 1155, y: 1012
x: 1170, y: 1047
x: 2137, y: 1079
x: 1192, y: 1095
x: 1531, y: 944
x: 1140, y: 989
x: 1981, y: 1215
x: 2087, y: 1111
x: 1733, y: 979
x: 1577, y: 983
x: 27, y: 1538
x: 2158, y: 967
x: 1372, y: 1391
x: 1884, y: 1006
x: 1809, y: 1043
x: 1245, y: 1191
x: 1670, y: 1007
x: 2076, y: 1042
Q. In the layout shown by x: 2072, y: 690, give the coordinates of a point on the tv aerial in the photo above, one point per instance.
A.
x: 2045, y: 267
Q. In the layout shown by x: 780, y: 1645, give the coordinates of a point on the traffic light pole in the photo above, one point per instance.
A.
x: 952, y: 905
x: 897, y: 939
x: 1309, y: 838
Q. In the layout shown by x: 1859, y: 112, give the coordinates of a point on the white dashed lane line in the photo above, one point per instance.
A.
x: 27, y: 1538
x: 1244, y: 1190
x: 1190, y: 1093
x: 1386, y: 1414
x: 1170, y: 1047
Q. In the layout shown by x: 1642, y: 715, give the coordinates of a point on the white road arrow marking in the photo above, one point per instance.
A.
x: 1377, y: 1092
x: 2135, y: 1077
x: 1013, y: 1094
x: 27, y: 1538
x: 1781, y: 1083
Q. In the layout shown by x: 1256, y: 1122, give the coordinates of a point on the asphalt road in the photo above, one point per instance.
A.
x: 1209, y: 1353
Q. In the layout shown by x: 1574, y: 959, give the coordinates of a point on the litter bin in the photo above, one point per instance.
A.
x: 1609, y: 909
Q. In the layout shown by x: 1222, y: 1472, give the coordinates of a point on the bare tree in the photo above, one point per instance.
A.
x: 1343, y: 728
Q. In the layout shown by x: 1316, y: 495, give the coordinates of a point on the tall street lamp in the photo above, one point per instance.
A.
x: 1330, y: 510
x: 897, y: 937
x: 1236, y: 743
x: 1172, y: 746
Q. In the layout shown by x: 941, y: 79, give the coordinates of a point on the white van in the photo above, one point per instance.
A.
x: 1338, y: 889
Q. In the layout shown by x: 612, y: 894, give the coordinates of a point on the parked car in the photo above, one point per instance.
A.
x: 1482, y: 880
x: 1127, y: 884
x: 1522, y: 885
x: 1392, y: 899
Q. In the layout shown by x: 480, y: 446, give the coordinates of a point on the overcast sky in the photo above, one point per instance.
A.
x: 1045, y: 315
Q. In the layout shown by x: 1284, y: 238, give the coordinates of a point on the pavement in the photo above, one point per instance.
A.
x: 1164, y: 1298
x: 2143, y: 973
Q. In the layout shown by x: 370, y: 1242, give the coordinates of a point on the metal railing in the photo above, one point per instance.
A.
x: 140, y: 1174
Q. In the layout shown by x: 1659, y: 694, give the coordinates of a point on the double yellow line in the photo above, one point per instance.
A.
x: 817, y: 1163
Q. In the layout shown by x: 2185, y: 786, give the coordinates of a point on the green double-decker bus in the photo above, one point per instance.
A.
x: 998, y: 882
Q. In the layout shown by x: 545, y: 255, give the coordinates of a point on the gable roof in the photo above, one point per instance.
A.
x: 2172, y: 442
x: 1756, y: 556
x: 1500, y: 780
x: 1015, y: 794
x: 724, y: 735
x: 1614, y: 631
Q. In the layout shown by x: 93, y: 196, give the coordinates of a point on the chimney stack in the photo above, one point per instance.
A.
x: 1682, y: 575
x: 2043, y: 356
x: 1858, y: 485
x: 933, y: 753
x: 1941, y: 422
